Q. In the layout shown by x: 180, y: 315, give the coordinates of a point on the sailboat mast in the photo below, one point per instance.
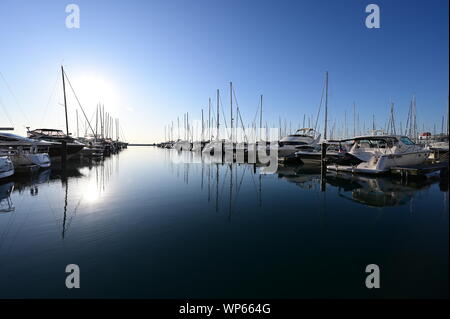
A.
x: 354, y: 119
x: 65, y: 100
x: 218, y: 117
x: 231, y: 110
x: 209, y: 119
x: 260, y: 115
x: 96, y: 122
x: 326, y: 106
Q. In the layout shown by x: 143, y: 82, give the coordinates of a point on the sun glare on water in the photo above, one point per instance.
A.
x: 91, y: 193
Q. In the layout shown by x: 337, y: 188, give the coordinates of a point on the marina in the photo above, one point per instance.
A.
x: 224, y: 159
x: 230, y: 196
x: 216, y: 204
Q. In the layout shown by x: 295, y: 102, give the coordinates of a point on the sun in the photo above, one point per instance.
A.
x: 93, y: 88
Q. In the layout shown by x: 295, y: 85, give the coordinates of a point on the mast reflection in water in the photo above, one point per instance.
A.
x: 159, y: 223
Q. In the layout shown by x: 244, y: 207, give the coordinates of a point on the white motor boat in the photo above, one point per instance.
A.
x: 312, y: 155
x: 292, y: 143
x: 378, y: 153
x: 24, y: 151
x: 439, y: 150
x: 6, y: 167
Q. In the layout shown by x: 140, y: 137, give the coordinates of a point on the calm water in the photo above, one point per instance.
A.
x: 142, y: 224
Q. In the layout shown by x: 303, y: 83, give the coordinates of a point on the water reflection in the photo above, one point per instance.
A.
x: 280, y: 227
x: 374, y: 191
x: 305, y: 178
x: 95, y: 176
x: 6, y: 204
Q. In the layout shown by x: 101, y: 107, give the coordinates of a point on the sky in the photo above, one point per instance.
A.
x: 149, y: 62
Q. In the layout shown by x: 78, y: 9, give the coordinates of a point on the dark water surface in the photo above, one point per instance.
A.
x: 144, y: 224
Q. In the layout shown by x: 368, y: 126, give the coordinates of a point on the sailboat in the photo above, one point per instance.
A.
x: 215, y: 144
x: 57, y: 137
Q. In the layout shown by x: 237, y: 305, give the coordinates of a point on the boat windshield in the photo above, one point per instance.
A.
x: 56, y: 133
x: 375, y: 143
x: 405, y: 140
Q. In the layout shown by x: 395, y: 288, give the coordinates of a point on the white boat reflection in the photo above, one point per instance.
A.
x: 6, y: 204
x: 377, y: 191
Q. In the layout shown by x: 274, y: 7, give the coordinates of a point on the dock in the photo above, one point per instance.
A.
x: 420, y: 170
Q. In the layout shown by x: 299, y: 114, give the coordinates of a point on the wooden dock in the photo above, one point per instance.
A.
x: 420, y: 170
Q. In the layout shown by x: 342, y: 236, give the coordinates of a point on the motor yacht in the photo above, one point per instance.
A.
x: 55, y: 138
x: 294, y: 142
x: 24, y: 152
x: 378, y: 153
x: 336, y: 152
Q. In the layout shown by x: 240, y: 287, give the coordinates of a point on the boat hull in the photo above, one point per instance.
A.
x: 6, y: 167
x: 55, y: 151
x: 382, y: 164
x: 23, y: 160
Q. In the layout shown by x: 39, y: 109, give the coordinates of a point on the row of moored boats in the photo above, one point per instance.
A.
x: 42, y: 147
x: 372, y: 154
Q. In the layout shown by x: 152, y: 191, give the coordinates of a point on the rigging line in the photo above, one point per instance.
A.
x: 320, y: 106
x: 239, y: 187
x: 223, y: 113
x: 6, y: 113
x: 123, y: 135
x: 15, y: 97
x: 256, y: 115
x: 49, y: 99
x: 254, y: 184
x: 239, y: 114
x: 223, y: 182
x: 76, y: 97
x: 243, y: 127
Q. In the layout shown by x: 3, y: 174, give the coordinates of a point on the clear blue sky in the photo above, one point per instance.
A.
x: 151, y: 61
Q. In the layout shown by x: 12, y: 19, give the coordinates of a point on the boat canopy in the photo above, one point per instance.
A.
x: 371, y: 137
x: 49, y: 132
x: 304, y: 132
